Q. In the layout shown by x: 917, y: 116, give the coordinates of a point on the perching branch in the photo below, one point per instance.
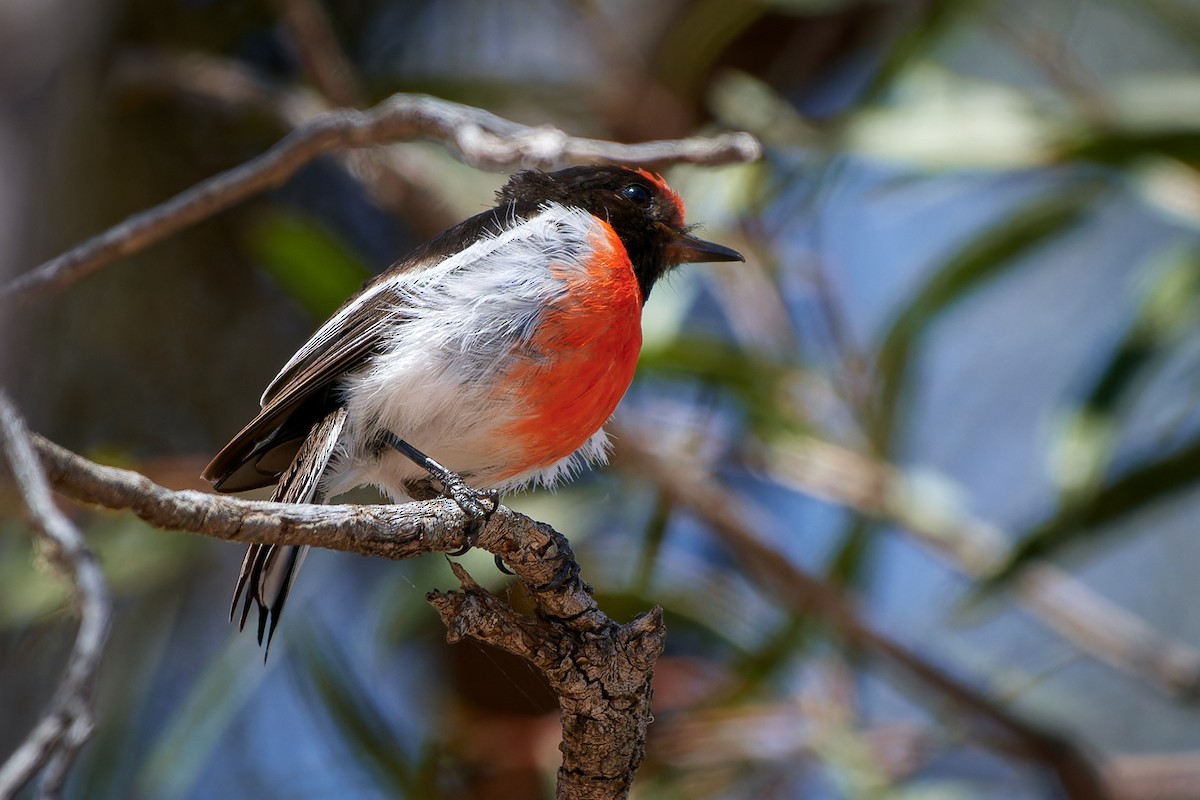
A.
x: 600, y: 671
x: 600, y: 675
x: 51, y: 747
x: 478, y: 137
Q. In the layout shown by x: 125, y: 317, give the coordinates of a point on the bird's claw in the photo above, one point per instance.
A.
x: 567, y: 573
x: 475, y: 503
x: 478, y: 505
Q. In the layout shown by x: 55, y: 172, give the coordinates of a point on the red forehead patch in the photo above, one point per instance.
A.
x: 666, y: 191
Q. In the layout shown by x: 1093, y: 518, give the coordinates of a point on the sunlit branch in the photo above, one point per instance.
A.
x: 478, y: 137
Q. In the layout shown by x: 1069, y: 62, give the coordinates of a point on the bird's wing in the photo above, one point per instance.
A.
x: 304, y: 392
x: 268, y: 571
x: 338, y: 344
x: 301, y: 394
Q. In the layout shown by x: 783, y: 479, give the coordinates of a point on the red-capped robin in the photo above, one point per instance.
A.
x: 500, y: 349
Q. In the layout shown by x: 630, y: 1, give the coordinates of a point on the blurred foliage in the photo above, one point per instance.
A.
x: 364, y: 733
x: 984, y: 257
x: 136, y: 560
x: 974, y: 260
x: 1129, y: 493
x: 754, y: 381
x: 308, y: 263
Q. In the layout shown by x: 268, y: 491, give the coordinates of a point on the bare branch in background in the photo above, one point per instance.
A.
x: 317, y: 47
x: 222, y: 82
x: 1064, y: 604
x: 51, y: 747
x: 600, y: 670
x: 478, y: 137
x: 737, y: 523
x: 397, y: 177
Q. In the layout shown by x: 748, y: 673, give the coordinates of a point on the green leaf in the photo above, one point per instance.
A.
x: 853, y: 556
x: 928, y: 23
x: 699, y: 34
x: 981, y: 259
x: 758, y: 667
x: 136, y: 560
x: 1087, y: 503
x: 754, y: 381
x: 185, y: 744
x: 310, y: 264
x: 366, y: 734
x: 1122, y: 147
x: 652, y: 542
x: 1084, y: 447
x: 1135, y: 491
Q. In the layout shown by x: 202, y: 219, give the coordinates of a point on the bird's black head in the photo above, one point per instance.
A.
x: 641, y: 208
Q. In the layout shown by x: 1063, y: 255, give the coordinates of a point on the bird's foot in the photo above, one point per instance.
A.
x: 478, y: 505
x: 475, y: 503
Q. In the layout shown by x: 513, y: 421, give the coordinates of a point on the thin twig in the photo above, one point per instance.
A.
x: 317, y: 47
x: 398, y: 177
x: 478, y: 137
x: 226, y: 83
x: 67, y: 723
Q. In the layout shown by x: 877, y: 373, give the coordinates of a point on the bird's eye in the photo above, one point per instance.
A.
x: 637, y: 194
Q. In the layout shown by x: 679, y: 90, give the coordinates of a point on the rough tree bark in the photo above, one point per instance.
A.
x: 600, y: 670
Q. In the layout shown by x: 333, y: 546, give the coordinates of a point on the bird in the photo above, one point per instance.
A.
x: 486, y: 361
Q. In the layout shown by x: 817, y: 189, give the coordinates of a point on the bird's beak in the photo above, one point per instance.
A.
x: 686, y: 249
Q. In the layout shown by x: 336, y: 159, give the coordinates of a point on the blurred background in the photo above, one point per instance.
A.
x: 916, y: 486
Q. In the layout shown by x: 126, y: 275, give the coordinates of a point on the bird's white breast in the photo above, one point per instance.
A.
x: 453, y: 328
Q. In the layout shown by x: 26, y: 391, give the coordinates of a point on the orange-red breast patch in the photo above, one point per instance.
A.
x: 582, y: 359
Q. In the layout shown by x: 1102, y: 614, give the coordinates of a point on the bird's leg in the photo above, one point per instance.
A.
x: 476, y: 504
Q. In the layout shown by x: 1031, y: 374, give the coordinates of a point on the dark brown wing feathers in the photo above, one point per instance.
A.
x: 268, y: 570
x: 300, y: 397
x: 305, y: 391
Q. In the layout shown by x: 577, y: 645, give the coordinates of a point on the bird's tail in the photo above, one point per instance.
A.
x: 269, y: 570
